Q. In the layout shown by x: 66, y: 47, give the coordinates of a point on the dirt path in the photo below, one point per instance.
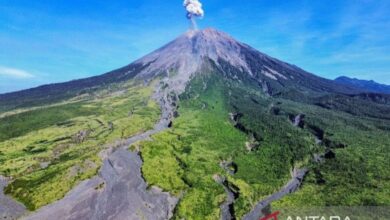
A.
x: 290, y: 187
x: 119, y: 191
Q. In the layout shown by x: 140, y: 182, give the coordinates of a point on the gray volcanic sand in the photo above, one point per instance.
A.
x: 119, y: 192
x: 9, y: 208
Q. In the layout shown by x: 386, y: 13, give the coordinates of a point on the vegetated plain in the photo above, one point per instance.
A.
x: 49, y: 150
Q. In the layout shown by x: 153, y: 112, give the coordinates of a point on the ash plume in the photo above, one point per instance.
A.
x: 194, y: 10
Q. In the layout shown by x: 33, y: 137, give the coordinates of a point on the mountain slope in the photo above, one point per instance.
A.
x: 186, y: 55
x: 367, y: 85
x: 191, y: 53
x: 52, y: 93
x: 240, y: 125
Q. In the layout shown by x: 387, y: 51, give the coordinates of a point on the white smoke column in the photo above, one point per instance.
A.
x: 194, y: 10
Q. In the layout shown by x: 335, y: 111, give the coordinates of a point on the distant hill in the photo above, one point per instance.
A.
x: 368, y: 85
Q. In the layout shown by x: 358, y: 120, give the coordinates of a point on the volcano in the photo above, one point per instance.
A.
x: 209, y: 50
x: 206, y: 127
x: 191, y: 53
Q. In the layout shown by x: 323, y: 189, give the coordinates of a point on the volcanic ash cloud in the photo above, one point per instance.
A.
x: 194, y: 10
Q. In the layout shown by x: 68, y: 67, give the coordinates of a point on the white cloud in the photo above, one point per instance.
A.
x: 15, y: 73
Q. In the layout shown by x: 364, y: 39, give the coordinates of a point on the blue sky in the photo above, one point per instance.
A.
x: 46, y: 41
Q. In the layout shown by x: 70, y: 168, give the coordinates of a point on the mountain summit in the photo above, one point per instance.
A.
x: 191, y: 52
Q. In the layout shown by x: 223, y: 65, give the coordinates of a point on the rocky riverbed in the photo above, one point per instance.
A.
x: 296, y: 179
x: 227, y: 209
x: 9, y: 208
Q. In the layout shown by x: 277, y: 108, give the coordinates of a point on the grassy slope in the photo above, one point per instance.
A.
x: 184, y: 159
x: 359, y: 173
x: 47, y: 136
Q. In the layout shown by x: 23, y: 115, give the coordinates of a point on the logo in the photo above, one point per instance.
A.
x: 273, y: 216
